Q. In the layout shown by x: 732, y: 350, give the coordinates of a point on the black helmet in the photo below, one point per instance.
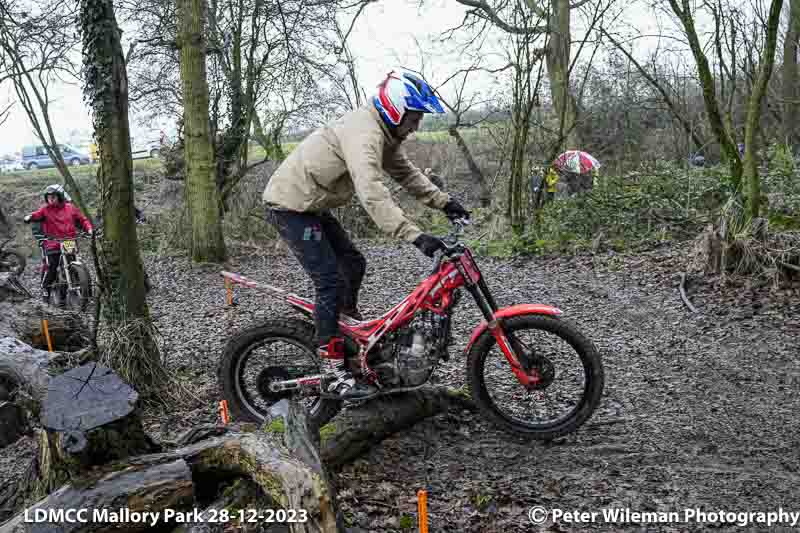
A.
x: 55, y: 189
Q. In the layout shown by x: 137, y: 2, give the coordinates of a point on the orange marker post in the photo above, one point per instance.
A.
x: 47, y: 335
x: 223, y: 412
x: 422, y: 510
x: 229, y: 291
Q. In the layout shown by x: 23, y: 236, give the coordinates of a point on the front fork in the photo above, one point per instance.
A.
x: 510, y: 345
x: 64, y: 266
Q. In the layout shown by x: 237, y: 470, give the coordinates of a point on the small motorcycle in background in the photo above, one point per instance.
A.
x: 72, y: 287
x: 11, y: 261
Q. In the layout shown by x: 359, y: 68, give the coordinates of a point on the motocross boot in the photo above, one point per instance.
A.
x: 353, y: 313
x: 336, y: 379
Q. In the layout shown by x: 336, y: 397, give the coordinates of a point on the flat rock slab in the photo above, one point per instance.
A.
x: 85, y: 398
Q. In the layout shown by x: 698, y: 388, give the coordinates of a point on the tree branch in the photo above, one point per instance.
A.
x: 492, y: 15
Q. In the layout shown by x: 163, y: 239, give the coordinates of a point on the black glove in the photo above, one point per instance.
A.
x: 428, y: 244
x: 453, y: 209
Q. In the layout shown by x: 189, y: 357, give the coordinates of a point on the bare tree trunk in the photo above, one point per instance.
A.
x: 791, y: 79
x: 474, y: 169
x: 754, y: 107
x: 123, y: 291
x: 202, y: 194
x: 683, y: 11
x: 558, y: 59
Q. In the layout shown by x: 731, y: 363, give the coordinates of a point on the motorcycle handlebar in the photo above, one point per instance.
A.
x: 458, y: 225
x: 450, y: 240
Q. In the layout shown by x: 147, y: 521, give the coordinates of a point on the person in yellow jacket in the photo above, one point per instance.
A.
x: 344, y: 158
x: 551, y: 180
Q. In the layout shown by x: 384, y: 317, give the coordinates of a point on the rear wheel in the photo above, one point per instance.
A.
x: 568, y: 367
x: 78, y: 297
x: 275, y: 350
x: 32, y: 166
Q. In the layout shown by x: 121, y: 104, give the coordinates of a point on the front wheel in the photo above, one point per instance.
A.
x: 78, y: 296
x: 278, y: 349
x: 567, y: 365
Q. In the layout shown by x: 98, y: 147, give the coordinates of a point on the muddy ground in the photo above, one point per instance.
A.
x: 699, y: 411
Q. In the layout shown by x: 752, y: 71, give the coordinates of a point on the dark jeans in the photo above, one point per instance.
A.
x: 329, y: 257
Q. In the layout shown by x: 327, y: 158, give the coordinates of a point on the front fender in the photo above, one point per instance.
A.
x: 514, y: 310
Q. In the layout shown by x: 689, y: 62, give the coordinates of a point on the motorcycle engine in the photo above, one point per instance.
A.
x: 409, y: 356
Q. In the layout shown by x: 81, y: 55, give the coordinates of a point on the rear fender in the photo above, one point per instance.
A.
x: 509, y: 312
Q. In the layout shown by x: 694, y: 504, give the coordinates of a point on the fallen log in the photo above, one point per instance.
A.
x: 89, y: 418
x: 284, y: 480
x: 356, y: 430
x: 24, y: 369
x: 279, y: 461
x: 280, y: 464
x: 139, y: 488
x: 242, y: 494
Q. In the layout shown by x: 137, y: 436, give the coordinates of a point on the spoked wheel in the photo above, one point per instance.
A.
x: 274, y: 351
x: 566, y: 368
x: 58, y: 289
x: 58, y: 294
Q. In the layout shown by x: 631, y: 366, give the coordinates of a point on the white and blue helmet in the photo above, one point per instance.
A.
x: 402, y: 91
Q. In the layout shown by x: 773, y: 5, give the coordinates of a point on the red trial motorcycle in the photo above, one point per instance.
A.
x: 528, y: 370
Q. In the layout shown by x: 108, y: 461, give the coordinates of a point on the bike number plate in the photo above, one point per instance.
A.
x: 69, y: 246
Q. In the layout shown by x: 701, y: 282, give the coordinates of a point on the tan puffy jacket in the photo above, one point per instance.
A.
x: 347, y: 156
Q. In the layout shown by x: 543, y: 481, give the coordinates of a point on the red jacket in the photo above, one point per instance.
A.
x: 59, y: 220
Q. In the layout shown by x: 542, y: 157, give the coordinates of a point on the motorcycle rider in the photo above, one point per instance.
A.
x: 344, y: 157
x: 58, y: 220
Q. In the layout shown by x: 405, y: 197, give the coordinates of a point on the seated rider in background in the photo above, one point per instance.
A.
x: 57, y: 219
x: 344, y: 158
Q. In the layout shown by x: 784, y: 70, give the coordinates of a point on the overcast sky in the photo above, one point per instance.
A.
x: 383, y: 37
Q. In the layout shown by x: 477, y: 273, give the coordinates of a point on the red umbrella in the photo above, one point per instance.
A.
x: 576, y: 161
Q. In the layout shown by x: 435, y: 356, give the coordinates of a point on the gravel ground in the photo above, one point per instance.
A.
x: 699, y: 411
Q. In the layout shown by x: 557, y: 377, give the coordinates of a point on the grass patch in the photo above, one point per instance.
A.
x: 275, y: 426
x: 784, y: 222
x: 327, y: 431
x: 406, y: 522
